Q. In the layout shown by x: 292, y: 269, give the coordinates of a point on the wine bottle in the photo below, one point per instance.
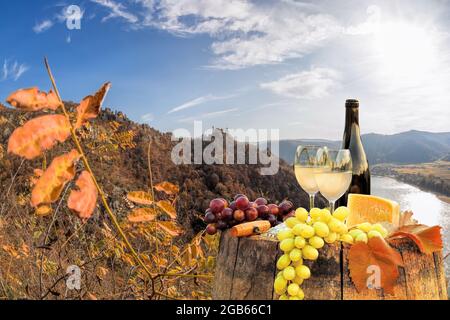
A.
x: 352, y: 141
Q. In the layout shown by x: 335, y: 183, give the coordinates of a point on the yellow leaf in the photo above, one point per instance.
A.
x: 142, y: 215
x: 167, y: 207
x: 140, y: 197
x: 170, y: 228
x: 167, y: 188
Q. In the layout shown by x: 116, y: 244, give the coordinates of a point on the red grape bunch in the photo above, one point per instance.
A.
x: 222, y: 215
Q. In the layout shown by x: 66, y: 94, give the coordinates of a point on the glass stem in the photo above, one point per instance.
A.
x: 331, y: 207
x: 311, y: 201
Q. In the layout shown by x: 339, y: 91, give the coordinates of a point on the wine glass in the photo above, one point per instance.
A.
x: 305, y: 165
x: 334, y: 174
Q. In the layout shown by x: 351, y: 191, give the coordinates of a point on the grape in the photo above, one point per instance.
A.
x: 273, y: 209
x: 216, y: 206
x: 221, y: 225
x: 307, y: 232
x: 285, y: 234
x: 286, y: 206
x: 342, y: 228
x: 289, y: 273
x: 301, y: 214
x: 297, y: 263
x: 378, y: 227
x: 310, y: 253
x: 219, y: 216
x: 238, y: 196
x: 347, y: 238
x: 331, y: 238
x: 362, y: 238
x: 242, y: 203
x: 251, y: 214
x: 303, y: 272
x: 294, y: 298
x: 239, y: 215
x: 252, y: 205
x: 295, y: 255
x: 208, y: 211
x: 315, y: 213
x: 284, y: 297
x: 289, y: 215
x: 263, y: 211
x: 233, y: 206
x: 301, y: 294
x: 325, y: 215
x: 297, y: 229
x: 225, y: 202
x: 272, y: 219
x: 298, y: 280
x: 299, y: 242
x: 279, y: 285
x: 211, y: 229
x: 341, y: 213
x: 355, y: 232
x: 366, y: 226
x: 374, y: 233
x: 261, y: 202
x: 287, y: 245
x: 283, y: 262
x: 321, y: 229
x: 316, y: 242
x: 227, y: 214
x: 210, y: 217
x: 293, y: 289
x: 291, y: 222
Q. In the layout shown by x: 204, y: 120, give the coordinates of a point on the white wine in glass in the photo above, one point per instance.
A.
x: 335, y: 176
x: 305, y: 167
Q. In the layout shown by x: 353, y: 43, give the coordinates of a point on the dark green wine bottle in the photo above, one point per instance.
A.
x: 352, y: 141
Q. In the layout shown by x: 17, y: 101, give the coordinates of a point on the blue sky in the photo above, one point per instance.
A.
x: 241, y: 64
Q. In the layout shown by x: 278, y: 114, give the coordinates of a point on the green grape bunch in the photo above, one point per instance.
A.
x: 307, y: 233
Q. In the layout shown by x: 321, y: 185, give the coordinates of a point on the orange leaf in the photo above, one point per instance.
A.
x: 38, y: 135
x: 90, y: 107
x: 84, y: 200
x: 167, y: 207
x: 140, y: 197
x: 376, y: 253
x: 142, y: 215
x: 44, y: 211
x: 170, y: 228
x: 428, y: 239
x: 33, y: 100
x: 50, y: 185
x: 167, y: 188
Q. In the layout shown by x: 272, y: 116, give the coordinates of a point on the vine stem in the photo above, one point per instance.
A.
x: 111, y: 215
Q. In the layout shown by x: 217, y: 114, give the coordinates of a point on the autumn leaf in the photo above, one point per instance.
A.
x: 33, y: 100
x: 170, y: 227
x: 38, y: 135
x: 43, y: 211
x: 428, y: 239
x: 168, y: 208
x: 167, y: 188
x: 90, y: 106
x: 377, y: 252
x: 84, y: 200
x: 142, y: 215
x: 140, y: 197
x: 51, y: 183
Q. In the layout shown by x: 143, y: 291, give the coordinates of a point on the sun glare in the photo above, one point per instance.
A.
x: 405, y: 51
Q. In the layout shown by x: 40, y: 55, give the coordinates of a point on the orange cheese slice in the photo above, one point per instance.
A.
x: 364, y: 208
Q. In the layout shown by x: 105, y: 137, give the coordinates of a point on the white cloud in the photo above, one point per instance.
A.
x: 13, y: 70
x: 149, y: 117
x: 245, y: 33
x: 198, y: 101
x: 117, y: 10
x: 42, y: 26
x: 208, y: 115
x: 315, y: 83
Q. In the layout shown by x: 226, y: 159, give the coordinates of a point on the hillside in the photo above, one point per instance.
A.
x: 403, y: 148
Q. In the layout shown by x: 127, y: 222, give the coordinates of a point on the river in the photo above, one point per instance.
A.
x: 427, y: 207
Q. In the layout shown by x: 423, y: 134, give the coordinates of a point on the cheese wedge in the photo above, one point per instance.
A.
x: 364, y: 208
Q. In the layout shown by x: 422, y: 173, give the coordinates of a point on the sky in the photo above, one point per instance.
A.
x: 285, y: 64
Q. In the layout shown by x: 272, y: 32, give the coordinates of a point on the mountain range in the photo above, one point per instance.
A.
x: 402, y: 148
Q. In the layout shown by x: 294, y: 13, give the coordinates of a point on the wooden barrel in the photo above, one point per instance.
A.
x: 246, y: 269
